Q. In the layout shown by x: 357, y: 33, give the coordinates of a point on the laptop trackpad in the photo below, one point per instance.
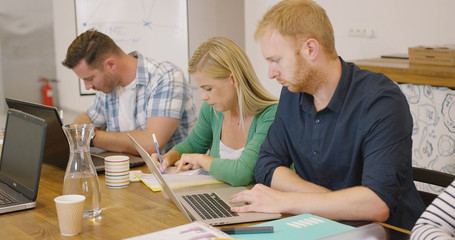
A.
x: 226, y: 193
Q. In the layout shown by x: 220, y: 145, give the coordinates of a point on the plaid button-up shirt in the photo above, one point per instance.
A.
x: 161, y: 90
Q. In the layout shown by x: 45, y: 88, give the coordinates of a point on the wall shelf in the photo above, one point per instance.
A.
x: 401, y: 71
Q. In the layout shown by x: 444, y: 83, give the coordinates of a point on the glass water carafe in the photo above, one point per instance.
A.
x: 80, y: 175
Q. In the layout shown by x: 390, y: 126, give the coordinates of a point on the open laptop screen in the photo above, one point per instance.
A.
x: 56, y: 151
x: 22, y: 152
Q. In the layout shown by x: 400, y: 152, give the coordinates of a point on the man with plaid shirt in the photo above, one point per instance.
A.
x: 135, y: 95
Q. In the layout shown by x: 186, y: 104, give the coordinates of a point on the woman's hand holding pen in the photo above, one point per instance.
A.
x: 162, y: 166
x: 168, y: 159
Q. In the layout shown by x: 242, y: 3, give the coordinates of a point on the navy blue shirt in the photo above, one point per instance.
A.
x: 362, y: 138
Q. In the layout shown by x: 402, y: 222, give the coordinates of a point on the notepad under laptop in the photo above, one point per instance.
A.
x: 20, y: 162
x: 209, y: 206
x: 56, y: 151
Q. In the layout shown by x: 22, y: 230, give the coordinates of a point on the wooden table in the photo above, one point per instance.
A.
x: 126, y: 212
x: 401, y: 71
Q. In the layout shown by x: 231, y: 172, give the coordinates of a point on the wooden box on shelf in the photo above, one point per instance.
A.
x: 437, y: 55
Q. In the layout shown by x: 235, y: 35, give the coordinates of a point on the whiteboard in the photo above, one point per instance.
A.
x: 158, y: 29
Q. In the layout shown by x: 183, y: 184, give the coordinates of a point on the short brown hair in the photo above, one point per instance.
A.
x: 299, y: 18
x: 93, y: 46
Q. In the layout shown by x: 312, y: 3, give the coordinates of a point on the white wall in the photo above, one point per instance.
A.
x: 64, y: 34
x: 27, y: 48
x: 254, y: 10
x: 397, y: 25
x: 2, y: 103
x: 207, y: 18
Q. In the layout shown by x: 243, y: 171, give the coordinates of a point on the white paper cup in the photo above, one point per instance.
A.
x: 69, y: 211
x: 117, y: 171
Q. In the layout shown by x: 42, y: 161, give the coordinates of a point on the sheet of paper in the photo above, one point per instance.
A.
x: 190, y: 231
x: 172, y: 170
x: 133, y: 175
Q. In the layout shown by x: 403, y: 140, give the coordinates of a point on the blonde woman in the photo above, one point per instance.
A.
x: 233, y: 120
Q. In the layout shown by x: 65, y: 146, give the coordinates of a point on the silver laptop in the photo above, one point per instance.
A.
x: 20, y: 170
x: 209, y: 206
x: 56, y: 151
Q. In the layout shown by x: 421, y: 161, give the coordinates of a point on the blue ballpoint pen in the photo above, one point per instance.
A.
x: 158, y: 150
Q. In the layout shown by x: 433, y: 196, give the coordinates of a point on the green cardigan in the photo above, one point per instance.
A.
x: 206, y: 135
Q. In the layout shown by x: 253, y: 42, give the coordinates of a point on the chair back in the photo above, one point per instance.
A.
x: 433, y: 177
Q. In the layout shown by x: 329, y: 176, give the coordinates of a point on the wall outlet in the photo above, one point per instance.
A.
x: 361, y: 32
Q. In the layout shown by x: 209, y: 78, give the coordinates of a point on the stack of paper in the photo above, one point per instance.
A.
x: 179, y: 180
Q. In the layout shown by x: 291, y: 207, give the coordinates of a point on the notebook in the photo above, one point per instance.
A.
x: 20, y: 170
x: 299, y: 227
x: 56, y: 151
x: 196, y: 204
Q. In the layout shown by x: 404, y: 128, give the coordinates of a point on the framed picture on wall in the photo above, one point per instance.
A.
x: 83, y: 91
x: 156, y: 29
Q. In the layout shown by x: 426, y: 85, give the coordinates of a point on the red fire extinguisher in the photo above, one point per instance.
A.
x: 47, y: 93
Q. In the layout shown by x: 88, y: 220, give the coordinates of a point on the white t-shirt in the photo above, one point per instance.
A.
x: 229, y: 153
x: 127, y: 97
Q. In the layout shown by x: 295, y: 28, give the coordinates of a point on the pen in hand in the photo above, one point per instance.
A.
x: 158, y: 152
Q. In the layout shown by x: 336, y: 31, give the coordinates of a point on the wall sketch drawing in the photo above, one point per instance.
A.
x: 158, y: 29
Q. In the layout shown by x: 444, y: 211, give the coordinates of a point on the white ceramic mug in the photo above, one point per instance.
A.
x: 117, y: 171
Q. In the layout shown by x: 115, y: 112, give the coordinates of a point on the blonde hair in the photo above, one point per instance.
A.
x: 218, y: 58
x: 299, y: 18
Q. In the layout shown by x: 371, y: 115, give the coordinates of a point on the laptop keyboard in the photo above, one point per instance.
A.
x: 209, y: 206
x: 97, y: 161
x: 6, y: 199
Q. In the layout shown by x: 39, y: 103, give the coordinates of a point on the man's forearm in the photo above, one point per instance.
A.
x: 163, y: 127
x: 82, y: 118
x: 284, y: 179
x: 356, y: 203
x: 119, y: 141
